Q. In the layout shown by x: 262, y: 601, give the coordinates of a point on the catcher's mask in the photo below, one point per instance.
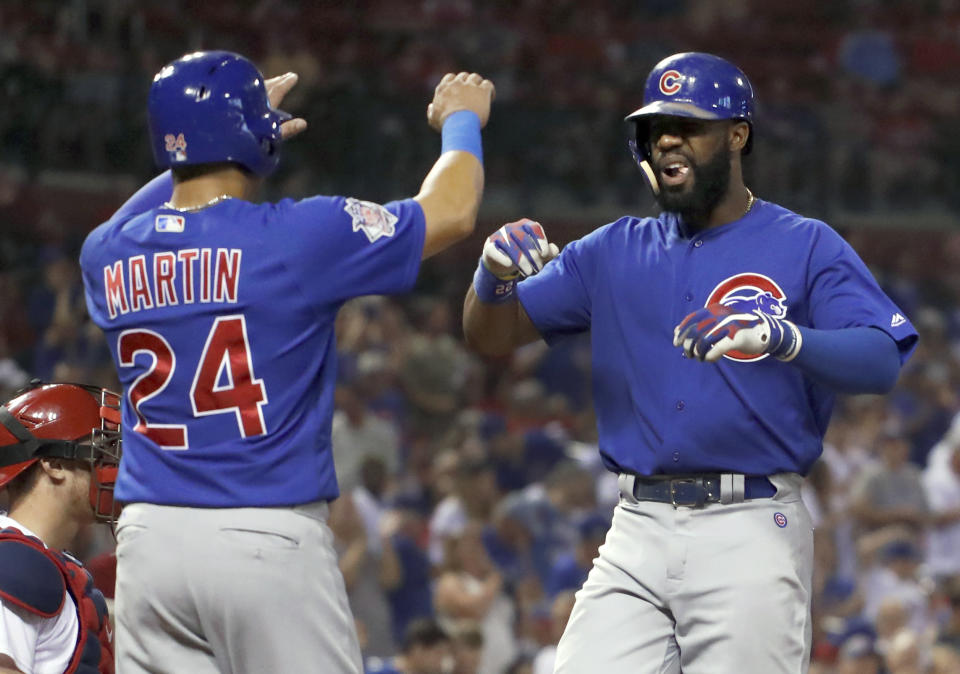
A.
x: 69, y: 421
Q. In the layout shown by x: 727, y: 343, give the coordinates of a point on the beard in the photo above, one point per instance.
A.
x: 711, y: 180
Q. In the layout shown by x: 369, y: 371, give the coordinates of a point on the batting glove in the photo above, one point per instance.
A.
x: 517, y: 250
x: 711, y: 332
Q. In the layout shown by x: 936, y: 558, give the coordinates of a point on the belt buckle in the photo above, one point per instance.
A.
x: 697, y: 502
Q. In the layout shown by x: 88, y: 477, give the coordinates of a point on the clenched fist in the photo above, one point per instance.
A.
x: 464, y: 91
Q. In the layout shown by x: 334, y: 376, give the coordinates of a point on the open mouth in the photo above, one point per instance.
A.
x: 674, y: 172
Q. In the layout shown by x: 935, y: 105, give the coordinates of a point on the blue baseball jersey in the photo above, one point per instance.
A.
x: 221, y: 325
x: 632, y: 281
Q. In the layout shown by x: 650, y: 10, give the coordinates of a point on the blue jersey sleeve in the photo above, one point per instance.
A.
x: 91, y: 274
x: 348, y: 248
x: 558, y: 299
x: 844, y: 294
x: 152, y: 195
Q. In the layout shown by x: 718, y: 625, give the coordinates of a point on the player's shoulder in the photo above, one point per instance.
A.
x: 102, y: 240
x: 307, y: 211
x: 786, y: 220
x: 625, y: 236
x: 29, y: 578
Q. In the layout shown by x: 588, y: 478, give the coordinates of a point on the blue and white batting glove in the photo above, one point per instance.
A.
x: 518, y: 249
x: 709, y: 333
x: 515, y: 251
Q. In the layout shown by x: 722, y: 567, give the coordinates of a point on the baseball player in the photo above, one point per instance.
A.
x: 59, y: 450
x: 721, y: 331
x: 219, y: 313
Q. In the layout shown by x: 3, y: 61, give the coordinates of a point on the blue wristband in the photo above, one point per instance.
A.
x: 461, y: 131
x: 490, y: 289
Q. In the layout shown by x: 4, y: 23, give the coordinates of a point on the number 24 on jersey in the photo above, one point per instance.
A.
x: 226, y: 352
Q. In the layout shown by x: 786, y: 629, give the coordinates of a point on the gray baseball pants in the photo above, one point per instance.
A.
x: 231, y: 590
x: 722, y: 588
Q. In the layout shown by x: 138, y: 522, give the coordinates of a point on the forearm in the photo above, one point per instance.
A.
x: 451, y: 192
x: 495, y: 329
x: 391, y: 570
x: 450, y: 197
x: 852, y: 360
x: 352, y: 560
x: 945, y: 518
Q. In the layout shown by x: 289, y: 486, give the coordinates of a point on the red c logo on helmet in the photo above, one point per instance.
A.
x: 670, y: 82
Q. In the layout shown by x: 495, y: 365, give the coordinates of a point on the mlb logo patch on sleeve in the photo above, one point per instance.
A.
x: 375, y: 220
x: 169, y: 223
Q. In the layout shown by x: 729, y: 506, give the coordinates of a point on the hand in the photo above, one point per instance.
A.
x: 518, y: 249
x: 465, y: 91
x: 277, y: 88
x: 711, y: 332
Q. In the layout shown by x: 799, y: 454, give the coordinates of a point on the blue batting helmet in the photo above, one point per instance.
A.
x: 697, y: 85
x: 212, y: 106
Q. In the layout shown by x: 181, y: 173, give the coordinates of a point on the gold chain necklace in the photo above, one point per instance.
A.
x: 750, y: 201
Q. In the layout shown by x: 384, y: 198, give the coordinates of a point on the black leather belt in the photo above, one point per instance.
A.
x: 694, y: 491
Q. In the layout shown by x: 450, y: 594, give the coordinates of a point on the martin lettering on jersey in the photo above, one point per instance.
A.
x: 169, y: 278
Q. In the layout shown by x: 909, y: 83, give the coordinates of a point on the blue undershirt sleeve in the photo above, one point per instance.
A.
x: 850, y: 360
x: 152, y: 195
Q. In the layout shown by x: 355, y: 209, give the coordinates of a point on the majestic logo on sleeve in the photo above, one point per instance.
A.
x: 670, y: 82
x: 749, y: 293
x: 375, y: 220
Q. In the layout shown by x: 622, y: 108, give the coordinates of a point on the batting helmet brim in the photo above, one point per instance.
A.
x: 673, y: 109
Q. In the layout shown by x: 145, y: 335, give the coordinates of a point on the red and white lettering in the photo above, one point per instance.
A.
x: 187, y: 258
x: 164, y: 274
x: 115, y: 290
x: 205, y: 274
x: 139, y: 284
x: 226, y: 355
x: 151, y: 383
x: 227, y: 276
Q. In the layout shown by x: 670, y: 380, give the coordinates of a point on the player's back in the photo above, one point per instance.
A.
x: 220, y: 322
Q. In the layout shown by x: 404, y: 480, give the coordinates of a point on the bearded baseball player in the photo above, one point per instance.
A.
x: 219, y: 313
x: 59, y: 450
x: 721, y: 332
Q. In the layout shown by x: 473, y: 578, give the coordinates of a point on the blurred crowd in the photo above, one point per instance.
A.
x: 857, y: 99
x: 473, y: 499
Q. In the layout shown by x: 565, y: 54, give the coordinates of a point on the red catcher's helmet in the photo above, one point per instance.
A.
x: 70, y: 421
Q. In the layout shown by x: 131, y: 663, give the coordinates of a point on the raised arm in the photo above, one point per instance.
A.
x: 494, y: 321
x: 451, y: 192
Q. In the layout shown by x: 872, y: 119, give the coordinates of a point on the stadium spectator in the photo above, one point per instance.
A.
x: 470, y: 588
x: 467, y: 648
x: 405, y: 568
x: 359, y: 434
x: 426, y: 650
x: 941, y: 482
x: 560, y: 609
x: 473, y: 497
x: 570, y: 569
x: 891, y: 492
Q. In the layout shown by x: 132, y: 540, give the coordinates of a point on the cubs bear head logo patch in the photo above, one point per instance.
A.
x: 749, y: 292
